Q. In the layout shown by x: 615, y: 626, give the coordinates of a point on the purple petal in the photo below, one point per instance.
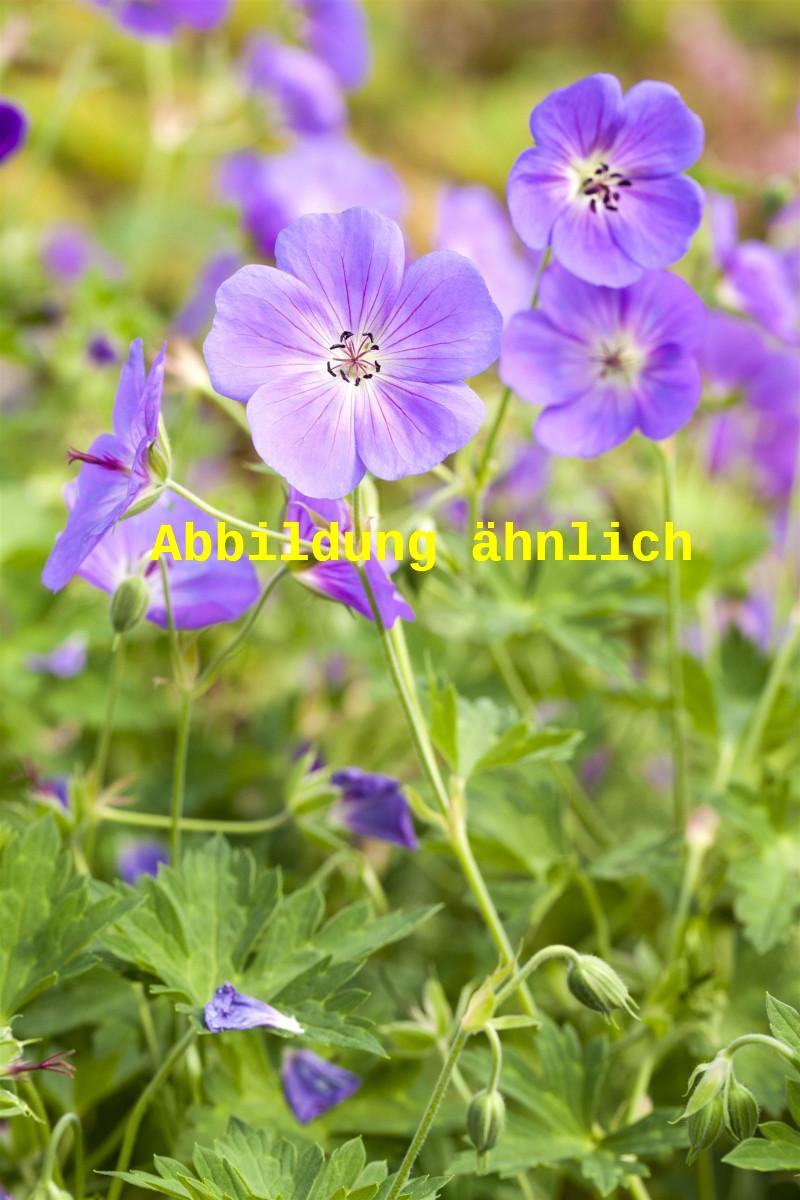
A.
x: 13, y: 128
x: 203, y: 14
x: 657, y: 219
x: 658, y: 134
x: 541, y: 363
x: 312, y: 1086
x: 581, y: 118
x: 757, y: 281
x: 662, y: 308
x: 583, y: 241
x: 196, y: 315
x: 732, y: 351
x: 148, y: 18
x: 590, y: 424
x: 303, y: 87
x: 138, y: 401
x: 373, y: 805
x: 775, y: 387
x: 337, y: 32
x: 141, y: 858
x: 724, y: 224
x: 539, y: 188
x: 230, y: 1009
x: 443, y: 325
x: 667, y: 392
x: 65, y: 662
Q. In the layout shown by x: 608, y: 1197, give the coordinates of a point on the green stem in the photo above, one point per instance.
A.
x: 706, y: 1189
x: 497, y: 1057
x: 695, y: 853
x: 636, y: 1188
x: 533, y: 964
x: 179, y: 776
x: 762, y: 1039
x: 597, y: 913
x: 104, y: 741
x: 140, y: 1108
x: 215, y: 666
x: 429, y: 1115
x: 248, y: 526
x: 51, y: 1156
x: 119, y: 816
x: 752, y: 739
x: 666, y: 456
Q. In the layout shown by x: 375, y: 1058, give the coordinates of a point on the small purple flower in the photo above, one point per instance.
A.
x: 162, y: 18
x: 100, y: 351
x: 116, y: 468
x: 202, y: 593
x: 56, y: 788
x: 374, y: 806
x: 312, y: 1086
x: 141, y: 858
x: 473, y: 222
x: 68, y: 253
x: 603, y: 185
x: 347, y: 361
x: 756, y: 277
x: 65, y: 662
x: 323, y: 174
x: 336, y: 30
x: 340, y: 581
x: 13, y: 128
x: 229, y: 1009
x: 196, y: 315
x: 304, y: 89
x: 606, y: 361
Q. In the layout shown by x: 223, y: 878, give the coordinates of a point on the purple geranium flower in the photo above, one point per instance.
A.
x: 68, y: 252
x: 603, y: 185
x: 348, y: 362
x: 100, y: 351
x: 116, y: 468
x: 473, y: 222
x: 340, y: 581
x: 162, y: 18
x: 196, y: 315
x: 65, y: 661
x: 13, y: 128
x: 141, y: 858
x: 303, y: 87
x: 202, y: 593
x: 374, y: 806
x: 312, y: 1086
x: 320, y: 174
x: 229, y: 1009
x: 336, y: 30
x: 606, y: 361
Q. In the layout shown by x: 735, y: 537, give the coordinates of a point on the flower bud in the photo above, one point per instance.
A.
x: 741, y: 1116
x: 486, y: 1118
x: 704, y: 1127
x: 160, y: 456
x: 129, y: 603
x: 596, y: 985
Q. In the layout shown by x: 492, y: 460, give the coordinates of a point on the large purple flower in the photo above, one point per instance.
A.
x: 13, y: 128
x: 229, y: 1009
x: 374, y: 806
x: 473, y: 222
x: 603, y: 185
x: 320, y: 174
x: 312, y: 1086
x: 606, y: 361
x: 141, y: 858
x: 116, y: 468
x: 201, y: 593
x: 304, y: 89
x: 64, y: 662
x: 162, y: 18
x: 348, y: 361
x: 336, y: 30
x: 340, y: 581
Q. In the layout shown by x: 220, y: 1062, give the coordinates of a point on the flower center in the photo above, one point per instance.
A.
x: 618, y: 360
x: 603, y: 187
x: 354, y: 359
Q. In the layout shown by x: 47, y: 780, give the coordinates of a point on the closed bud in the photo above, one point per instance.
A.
x: 741, y: 1116
x: 129, y: 603
x: 596, y: 985
x: 486, y: 1118
x: 705, y: 1126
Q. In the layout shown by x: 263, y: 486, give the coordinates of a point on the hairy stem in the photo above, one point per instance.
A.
x: 104, y: 741
x: 666, y: 457
x: 229, y: 519
x: 179, y: 775
x: 119, y: 816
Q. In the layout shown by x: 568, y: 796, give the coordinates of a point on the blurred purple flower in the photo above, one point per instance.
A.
x: 196, y: 315
x: 116, y: 468
x: 594, y: 767
x: 784, y: 232
x: 340, y: 581
x: 13, y: 128
x: 304, y: 89
x: 473, y: 222
x: 56, y: 788
x: 606, y: 361
x: 230, y: 1009
x: 202, y: 593
x: 374, y: 806
x: 351, y: 363
x: 336, y: 30
x: 324, y: 174
x: 68, y: 252
x: 101, y: 351
x: 162, y: 18
x: 141, y: 858
x: 312, y: 1086
x: 603, y: 185
x: 65, y: 661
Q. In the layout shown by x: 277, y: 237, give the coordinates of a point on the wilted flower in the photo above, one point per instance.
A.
x: 56, y: 1064
x: 336, y: 30
x: 65, y: 662
x: 116, y: 469
x: 341, y: 581
x: 349, y: 362
x: 374, y: 806
x: 606, y: 361
x: 323, y: 174
x: 13, y: 128
x: 141, y: 858
x: 312, y: 1086
x: 603, y: 185
x: 596, y: 985
x: 302, y: 87
x: 162, y: 18
x: 473, y: 222
x: 230, y: 1009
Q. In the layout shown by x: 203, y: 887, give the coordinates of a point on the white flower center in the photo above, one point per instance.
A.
x: 354, y: 358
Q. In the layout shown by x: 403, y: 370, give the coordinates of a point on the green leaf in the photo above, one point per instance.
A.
x: 12, y: 1105
x: 784, y: 1022
x: 778, y: 1151
x: 767, y: 892
x: 523, y: 744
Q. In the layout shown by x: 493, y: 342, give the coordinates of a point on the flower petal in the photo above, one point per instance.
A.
x: 542, y: 364
x: 581, y: 118
x: 658, y: 134
x: 406, y: 428
x: 539, y: 188
x: 444, y: 325
x: 657, y: 219
x: 352, y: 262
x: 661, y: 308
x: 668, y: 392
x: 312, y: 1086
x: 583, y: 242
x: 302, y: 424
x: 590, y: 424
